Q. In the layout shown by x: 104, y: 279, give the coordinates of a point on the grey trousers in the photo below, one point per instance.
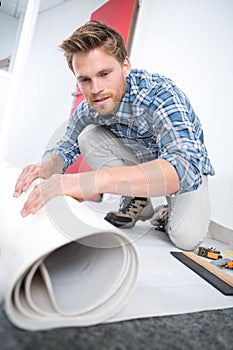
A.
x: 189, y: 213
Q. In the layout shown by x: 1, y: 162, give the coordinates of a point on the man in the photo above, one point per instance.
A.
x: 139, y: 133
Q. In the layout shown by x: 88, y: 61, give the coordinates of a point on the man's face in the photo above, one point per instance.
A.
x: 102, y: 79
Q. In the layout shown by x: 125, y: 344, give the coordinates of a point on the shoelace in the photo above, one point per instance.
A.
x: 132, y: 207
x: 160, y: 217
x: 124, y: 202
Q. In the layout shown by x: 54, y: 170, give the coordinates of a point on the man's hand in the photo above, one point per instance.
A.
x: 79, y: 186
x: 44, y: 169
x: 42, y: 193
x: 28, y: 175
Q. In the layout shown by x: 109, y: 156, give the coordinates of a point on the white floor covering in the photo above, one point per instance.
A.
x: 86, y: 283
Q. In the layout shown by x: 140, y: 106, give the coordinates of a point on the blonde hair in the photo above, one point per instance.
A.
x: 92, y: 35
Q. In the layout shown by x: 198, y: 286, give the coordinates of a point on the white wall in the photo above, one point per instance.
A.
x: 46, y: 99
x: 189, y: 41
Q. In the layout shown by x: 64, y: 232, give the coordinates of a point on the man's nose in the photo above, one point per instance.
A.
x: 96, y: 87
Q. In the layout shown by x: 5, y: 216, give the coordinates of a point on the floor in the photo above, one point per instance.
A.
x: 207, y: 329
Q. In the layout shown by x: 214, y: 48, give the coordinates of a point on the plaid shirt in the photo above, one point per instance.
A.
x: 155, y: 120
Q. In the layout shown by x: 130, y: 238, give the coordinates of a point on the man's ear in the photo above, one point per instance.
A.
x: 126, y: 66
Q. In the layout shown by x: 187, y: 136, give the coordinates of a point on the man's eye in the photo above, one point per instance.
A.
x: 104, y: 74
x: 83, y: 80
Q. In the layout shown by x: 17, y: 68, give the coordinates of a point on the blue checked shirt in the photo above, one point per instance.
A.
x: 155, y: 120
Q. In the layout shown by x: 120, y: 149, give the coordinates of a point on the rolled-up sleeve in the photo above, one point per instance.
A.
x: 67, y: 148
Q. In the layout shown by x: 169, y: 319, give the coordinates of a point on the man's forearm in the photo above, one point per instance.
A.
x: 51, y: 164
x: 151, y: 179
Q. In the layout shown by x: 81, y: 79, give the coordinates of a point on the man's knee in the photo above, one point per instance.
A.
x: 88, y: 138
x: 185, y: 242
x: 96, y: 142
x: 188, y: 238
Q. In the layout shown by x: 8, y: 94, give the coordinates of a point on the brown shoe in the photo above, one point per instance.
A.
x: 131, y: 210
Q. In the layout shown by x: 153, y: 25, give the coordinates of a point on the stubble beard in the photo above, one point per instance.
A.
x: 111, y: 107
